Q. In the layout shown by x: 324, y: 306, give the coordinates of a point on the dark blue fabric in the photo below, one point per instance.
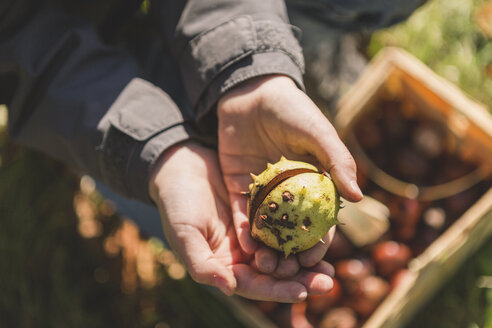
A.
x: 356, y: 14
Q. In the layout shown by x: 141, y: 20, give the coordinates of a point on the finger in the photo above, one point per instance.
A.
x: 266, y: 259
x: 313, y: 255
x: 315, y: 282
x: 238, y: 183
x: 325, y: 268
x: 287, y: 267
x: 201, y: 262
x: 241, y: 224
x: 335, y: 157
x: 254, y: 285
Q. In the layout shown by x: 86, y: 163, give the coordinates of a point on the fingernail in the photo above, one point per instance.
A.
x: 302, y: 296
x: 326, y: 284
x: 355, y: 188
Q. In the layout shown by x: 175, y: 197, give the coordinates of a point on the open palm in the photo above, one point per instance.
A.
x: 188, y: 189
x: 259, y: 121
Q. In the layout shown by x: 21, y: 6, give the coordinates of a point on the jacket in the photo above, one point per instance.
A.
x: 100, y: 106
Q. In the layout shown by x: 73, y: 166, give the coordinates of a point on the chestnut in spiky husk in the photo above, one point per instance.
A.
x: 292, y: 206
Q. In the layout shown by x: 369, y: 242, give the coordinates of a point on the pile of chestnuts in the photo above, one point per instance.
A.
x: 411, y: 147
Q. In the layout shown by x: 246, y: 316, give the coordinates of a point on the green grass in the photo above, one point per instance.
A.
x: 464, y: 302
x: 444, y: 35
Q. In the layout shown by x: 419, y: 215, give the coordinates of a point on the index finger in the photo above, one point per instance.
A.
x: 336, y: 159
x: 320, y: 139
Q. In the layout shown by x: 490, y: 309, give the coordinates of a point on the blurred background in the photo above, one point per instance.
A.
x: 68, y: 259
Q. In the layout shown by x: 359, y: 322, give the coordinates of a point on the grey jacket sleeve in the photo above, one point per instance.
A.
x: 88, y: 104
x: 221, y: 43
x: 81, y: 101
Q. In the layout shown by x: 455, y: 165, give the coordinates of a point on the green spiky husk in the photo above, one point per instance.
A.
x: 298, y: 222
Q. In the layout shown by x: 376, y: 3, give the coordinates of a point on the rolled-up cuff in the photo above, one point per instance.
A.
x: 144, y: 123
x: 234, y: 43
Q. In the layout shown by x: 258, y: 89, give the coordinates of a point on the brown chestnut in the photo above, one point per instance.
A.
x: 452, y: 168
x: 410, y: 166
x: 429, y: 139
x: 320, y: 303
x: 340, y: 247
x: 405, y: 213
x: 298, y: 317
x: 370, y: 292
x: 369, y: 134
x: 342, y: 317
x: 390, y: 257
x: 426, y: 236
x: 395, y: 125
x: 351, y: 271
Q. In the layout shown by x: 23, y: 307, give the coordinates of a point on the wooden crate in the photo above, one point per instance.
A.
x: 395, y: 72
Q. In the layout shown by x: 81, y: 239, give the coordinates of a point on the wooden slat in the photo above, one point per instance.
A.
x: 396, y: 73
x: 433, y: 267
x: 378, y: 72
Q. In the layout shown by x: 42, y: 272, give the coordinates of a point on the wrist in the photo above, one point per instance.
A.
x: 255, y: 91
x: 158, y: 168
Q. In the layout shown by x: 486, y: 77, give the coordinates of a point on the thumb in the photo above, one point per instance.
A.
x: 241, y: 224
x: 325, y: 144
x: 201, y: 262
